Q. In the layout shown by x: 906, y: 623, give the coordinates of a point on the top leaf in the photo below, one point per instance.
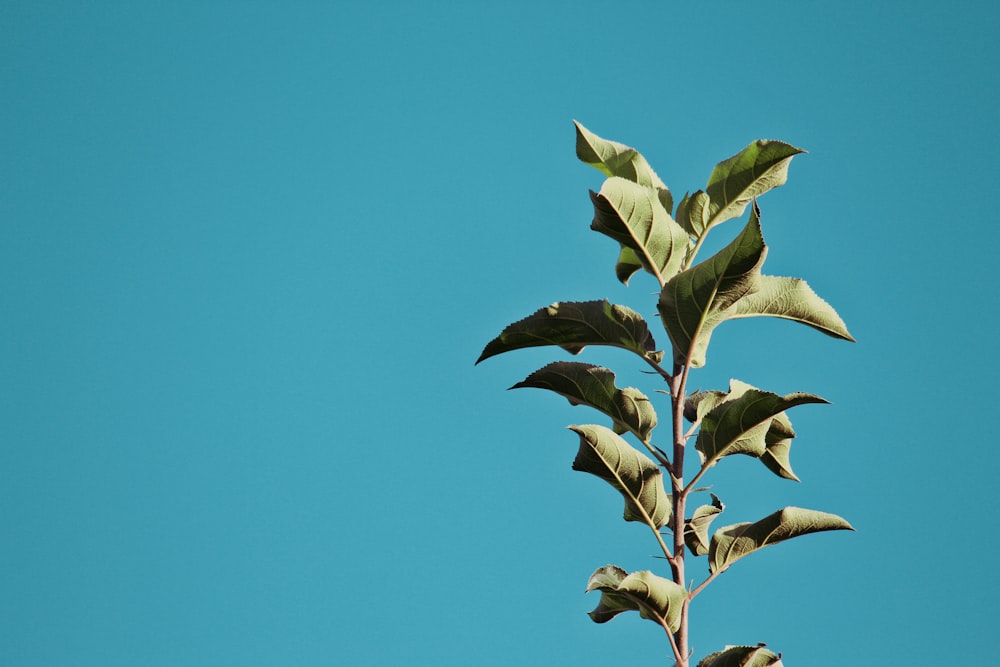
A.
x: 736, y: 181
x: 572, y: 325
x: 614, y: 159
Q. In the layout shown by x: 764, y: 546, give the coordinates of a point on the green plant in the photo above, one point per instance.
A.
x: 636, y: 209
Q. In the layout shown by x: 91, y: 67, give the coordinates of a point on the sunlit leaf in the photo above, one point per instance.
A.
x: 778, y: 445
x: 693, y: 213
x: 586, y: 384
x: 572, y: 325
x: 742, y: 656
x: 632, y: 215
x: 655, y: 598
x: 690, y: 299
x: 605, y: 454
x: 740, y: 423
x: 790, y: 299
x: 626, y: 266
x: 733, y: 542
x: 736, y: 181
x: 614, y: 159
x: 696, y: 528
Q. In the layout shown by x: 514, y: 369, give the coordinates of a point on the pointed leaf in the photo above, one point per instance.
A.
x: 778, y: 445
x: 696, y: 528
x: 690, y: 299
x: 633, y: 474
x: 693, y: 213
x: 572, y: 325
x: 731, y: 543
x: 739, y: 424
x: 632, y: 215
x: 614, y: 159
x: 655, y: 598
x: 790, y: 299
x: 736, y: 181
x: 742, y: 656
x: 586, y: 384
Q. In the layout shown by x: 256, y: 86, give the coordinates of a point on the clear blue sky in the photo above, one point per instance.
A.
x: 249, y: 252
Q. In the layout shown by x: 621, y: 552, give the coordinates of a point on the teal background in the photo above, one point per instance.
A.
x: 249, y: 252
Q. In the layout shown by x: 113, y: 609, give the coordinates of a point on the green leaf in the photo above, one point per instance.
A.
x: 628, y: 263
x: 740, y: 423
x: 736, y: 181
x: 742, y: 656
x: 691, y: 301
x: 693, y: 213
x: 731, y: 543
x: 572, y: 325
x: 778, y: 445
x: 614, y: 159
x: 586, y: 384
x: 633, y: 474
x: 696, y: 528
x: 655, y: 598
x: 632, y: 215
x: 790, y: 299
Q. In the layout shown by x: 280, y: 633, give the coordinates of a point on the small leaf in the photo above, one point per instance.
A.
x: 696, y: 528
x: 586, y: 384
x: 778, y: 445
x: 572, y: 325
x: 691, y: 300
x: 614, y: 159
x: 632, y: 215
x: 605, y: 454
x: 742, y: 656
x: 740, y: 423
x: 790, y: 299
x: 733, y: 542
x: 736, y: 181
x: 628, y: 263
x: 655, y: 598
x: 693, y: 213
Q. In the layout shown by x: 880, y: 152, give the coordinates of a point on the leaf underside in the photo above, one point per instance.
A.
x: 572, y: 325
x: 614, y: 159
x: 742, y: 656
x: 696, y: 528
x: 731, y: 543
x: 655, y: 598
x: 605, y: 454
x: 594, y: 386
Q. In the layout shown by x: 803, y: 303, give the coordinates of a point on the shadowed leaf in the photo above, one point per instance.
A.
x: 778, y: 445
x: 632, y: 215
x: 691, y: 300
x: 614, y: 159
x: 696, y: 528
x: 572, y: 325
x: 586, y: 384
x: 740, y: 423
x: 731, y: 543
x: 655, y: 598
x: 605, y: 454
x: 736, y: 181
x: 742, y: 656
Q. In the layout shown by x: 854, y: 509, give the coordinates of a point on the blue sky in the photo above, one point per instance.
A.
x: 249, y: 252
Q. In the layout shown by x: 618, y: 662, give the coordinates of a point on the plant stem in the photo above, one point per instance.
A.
x: 678, y: 387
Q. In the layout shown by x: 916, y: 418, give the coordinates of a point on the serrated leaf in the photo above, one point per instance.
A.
x: 790, y: 299
x: 699, y: 403
x: 693, y: 213
x: 696, y: 528
x: 691, y: 300
x: 742, y: 656
x: 594, y: 386
x: 614, y: 159
x: 740, y: 423
x: 632, y: 215
x: 572, y: 325
x: 605, y: 454
x: 731, y: 543
x: 655, y: 598
x: 736, y: 181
